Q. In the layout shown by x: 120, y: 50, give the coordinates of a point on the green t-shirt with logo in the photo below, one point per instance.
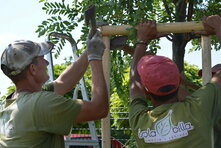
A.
x: 177, y: 125
x: 37, y: 120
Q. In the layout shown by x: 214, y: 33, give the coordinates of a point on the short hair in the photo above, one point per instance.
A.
x: 19, y: 76
x: 165, y: 97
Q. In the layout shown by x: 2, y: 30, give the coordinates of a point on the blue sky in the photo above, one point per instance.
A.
x: 20, y: 18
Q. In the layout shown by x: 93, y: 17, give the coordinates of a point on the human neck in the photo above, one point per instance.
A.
x: 169, y: 101
x: 19, y: 90
x: 27, y: 86
x: 23, y: 89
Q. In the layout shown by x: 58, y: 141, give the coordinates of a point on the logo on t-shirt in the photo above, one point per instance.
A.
x: 165, y: 131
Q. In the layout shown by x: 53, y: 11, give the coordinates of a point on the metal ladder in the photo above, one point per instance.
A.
x: 68, y: 141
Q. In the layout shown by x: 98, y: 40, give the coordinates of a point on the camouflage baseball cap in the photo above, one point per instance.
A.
x: 19, y: 54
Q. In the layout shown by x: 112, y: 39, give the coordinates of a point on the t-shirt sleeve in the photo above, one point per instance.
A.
x: 55, y: 114
x: 137, y: 107
x: 209, y: 97
x: 48, y: 86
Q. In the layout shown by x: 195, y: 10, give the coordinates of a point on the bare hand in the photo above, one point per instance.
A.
x: 147, y: 31
x: 211, y: 25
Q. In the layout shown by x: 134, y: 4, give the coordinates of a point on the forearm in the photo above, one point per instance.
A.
x: 99, y: 87
x: 71, y: 76
x: 146, y: 31
x: 136, y: 88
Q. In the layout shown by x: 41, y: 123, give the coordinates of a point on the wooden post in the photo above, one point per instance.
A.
x: 178, y: 27
x: 206, y: 69
x: 105, y: 124
x: 206, y: 59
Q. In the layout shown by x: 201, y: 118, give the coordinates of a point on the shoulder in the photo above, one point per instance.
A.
x: 138, y: 102
x: 138, y: 105
x: 210, y: 89
x: 138, y: 99
x: 50, y: 101
x: 207, y: 98
x: 50, y: 97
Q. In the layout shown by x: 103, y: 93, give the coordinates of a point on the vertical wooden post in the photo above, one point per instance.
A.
x: 206, y: 68
x: 105, y: 124
x: 206, y: 59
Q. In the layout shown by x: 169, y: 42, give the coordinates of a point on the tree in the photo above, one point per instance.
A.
x: 64, y: 17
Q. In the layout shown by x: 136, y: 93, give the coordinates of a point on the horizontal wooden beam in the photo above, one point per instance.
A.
x: 178, y: 27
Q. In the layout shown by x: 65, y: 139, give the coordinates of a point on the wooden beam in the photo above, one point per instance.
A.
x: 178, y: 27
x: 105, y: 123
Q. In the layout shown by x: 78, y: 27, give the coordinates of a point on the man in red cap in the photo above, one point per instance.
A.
x: 171, y: 123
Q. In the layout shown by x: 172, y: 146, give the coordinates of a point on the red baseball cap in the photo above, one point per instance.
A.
x: 158, y: 72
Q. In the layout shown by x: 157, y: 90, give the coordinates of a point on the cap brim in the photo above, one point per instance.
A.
x: 46, y: 47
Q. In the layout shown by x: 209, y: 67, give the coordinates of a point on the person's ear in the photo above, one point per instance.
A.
x: 33, y: 69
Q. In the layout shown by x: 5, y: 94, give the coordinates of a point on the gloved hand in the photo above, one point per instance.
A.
x: 95, y: 47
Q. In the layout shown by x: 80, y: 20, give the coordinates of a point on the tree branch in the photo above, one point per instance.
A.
x: 190, y: 36
x: 167, y: 10
x: 190, y: 11
x: 181, y: 11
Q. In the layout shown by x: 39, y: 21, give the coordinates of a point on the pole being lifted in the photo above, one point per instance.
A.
x: 178, y: 27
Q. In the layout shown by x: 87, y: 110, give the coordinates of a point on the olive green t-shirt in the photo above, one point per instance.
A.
x: 37, y: 120
x: 177, y: 125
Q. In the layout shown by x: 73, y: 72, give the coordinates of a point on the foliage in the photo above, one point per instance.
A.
x: 191, y: 72
x: 10, y: 89
x: 202, y: 9
x: 66, y: 16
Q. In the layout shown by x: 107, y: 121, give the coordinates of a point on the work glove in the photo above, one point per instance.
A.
x: 95, y: 47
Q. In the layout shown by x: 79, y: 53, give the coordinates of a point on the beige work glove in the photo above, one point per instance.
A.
x: 95, y: 47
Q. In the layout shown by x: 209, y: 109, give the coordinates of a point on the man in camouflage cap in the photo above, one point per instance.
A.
x: 39, y: 118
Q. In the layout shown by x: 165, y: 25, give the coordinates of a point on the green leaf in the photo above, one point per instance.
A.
x: 59, y: 18
x: 66, y: 23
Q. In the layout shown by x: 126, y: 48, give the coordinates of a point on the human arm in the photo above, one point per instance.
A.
x: 212, y: 25
x: 98, y: 107
x: 146, y: 31
x: 71, y: 76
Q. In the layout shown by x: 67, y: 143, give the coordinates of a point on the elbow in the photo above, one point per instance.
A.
x: 103, y: 111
